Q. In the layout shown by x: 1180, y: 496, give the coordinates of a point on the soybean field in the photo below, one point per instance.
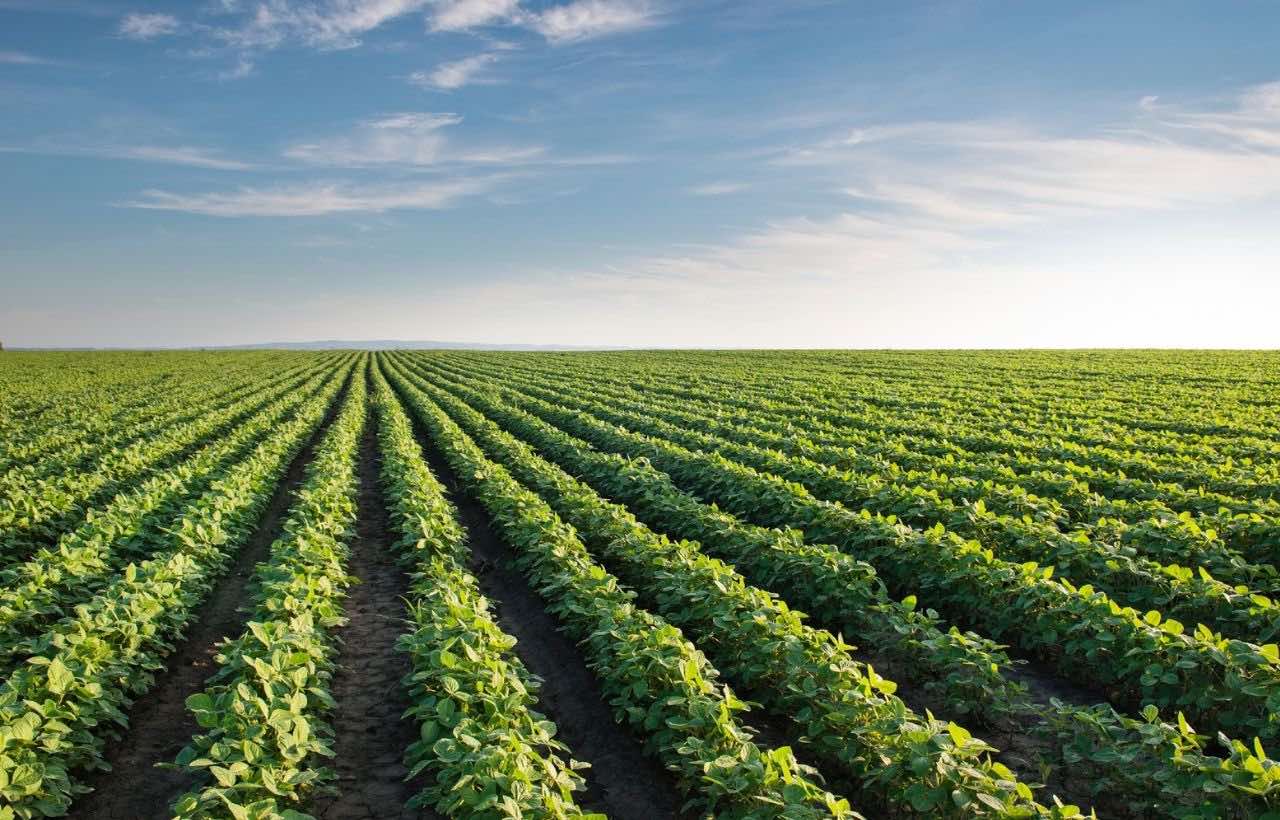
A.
x: 639, y: 584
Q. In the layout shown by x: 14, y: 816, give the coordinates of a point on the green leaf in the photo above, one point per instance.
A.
x: 59, y: 677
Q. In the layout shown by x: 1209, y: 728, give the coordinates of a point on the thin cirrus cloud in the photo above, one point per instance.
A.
x: 1254, y: 122
x: 587, y: 19
x: 242, y: 68
x: 976, y: 173
x: 139, y: 26
x: 336, y: 25
x: 23, y: 58
x: 935, y: 196
x: 419, y: 140
x: 184, y: 155
x: 406, y: 139
x: 315, y: 199
x: 341, y: 24
x: 460, y: 15
x: 191, y: 156
x: 717, y: 188
x: 455, y: 74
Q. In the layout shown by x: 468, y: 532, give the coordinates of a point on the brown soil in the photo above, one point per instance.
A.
x: 159, y: 723
x: 370, y: 734
x: 621, y: 782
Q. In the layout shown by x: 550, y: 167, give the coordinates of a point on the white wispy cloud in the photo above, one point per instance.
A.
x: 417, y: 139
x: 316, y: 199
x: 930, y: 201
x: 192, y: 156
x: 184, y: 155
x: 336, y: 24
x: 341, y: 24
x: 717, y: 188
x: 995, y: 174
x: 586, y: 19
x: 460, y: 15
x: 455, y: 74
x: 403, y: 139
x: 23, y: 58
x: 1253, y: 122
x: 243, y: 68
x: 141, y: 26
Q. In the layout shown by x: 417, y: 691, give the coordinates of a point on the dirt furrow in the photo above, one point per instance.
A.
x: 159, y: 723
x: 621, y: 782
x: 370, y: 736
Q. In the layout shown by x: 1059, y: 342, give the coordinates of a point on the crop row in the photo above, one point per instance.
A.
x: 59, y: 708
x: 657, y: 681
x: 1209, y: 397
x: 925, y: 432
x: 490, y: 753
x: 35, y: 515
x: 264, y: 710
x: 1165, y: 762
x: 1214, y: 540
x: 847, y: 713
x: 52, y: 582
x: 1174, y: 590
x: 1222, y: 683
x: 81, y: 450
x: 1076, y: 416
x: 118, y: 404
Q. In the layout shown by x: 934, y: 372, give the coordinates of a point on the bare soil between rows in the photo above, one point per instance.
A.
x: 159, y: 723
x: 622, y: 782
x: 370, y: 734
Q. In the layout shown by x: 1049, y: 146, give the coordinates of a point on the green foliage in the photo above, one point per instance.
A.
x: 263, y: 713
x: 59, y: 708
x: 846, y: 710
x: 491, y: 754
x: 655, y: 679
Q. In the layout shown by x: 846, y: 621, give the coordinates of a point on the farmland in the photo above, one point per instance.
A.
x: 747, y: 584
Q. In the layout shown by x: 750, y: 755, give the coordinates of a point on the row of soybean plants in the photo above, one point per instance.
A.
x: 1225, y: 683
x: 43, y: 389
x: 1202, y: 396
x: 1191, y: 528
x: 1035, y: 450
x: 1148, y: 751
x: 490, y: 753
x: 486, y: 750
x: 1160, y: 405
x: 79, y: 446
x: 1165, y: 517
x: 659, y: 683
x: 35, y: 512
x: 1163, y: 762
x: 1173, y: 590
x: 1161, y: 513
x: 46, y: 587
x: 64, y: 702
x: 1147, y: 525
x: 265, y: 712
x: 1216, y: 416
x: 106, y: 400
x: 1160, y: 421
x: 847, y: 714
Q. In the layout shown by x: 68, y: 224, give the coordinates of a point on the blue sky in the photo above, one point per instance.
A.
x: 640, y: 172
